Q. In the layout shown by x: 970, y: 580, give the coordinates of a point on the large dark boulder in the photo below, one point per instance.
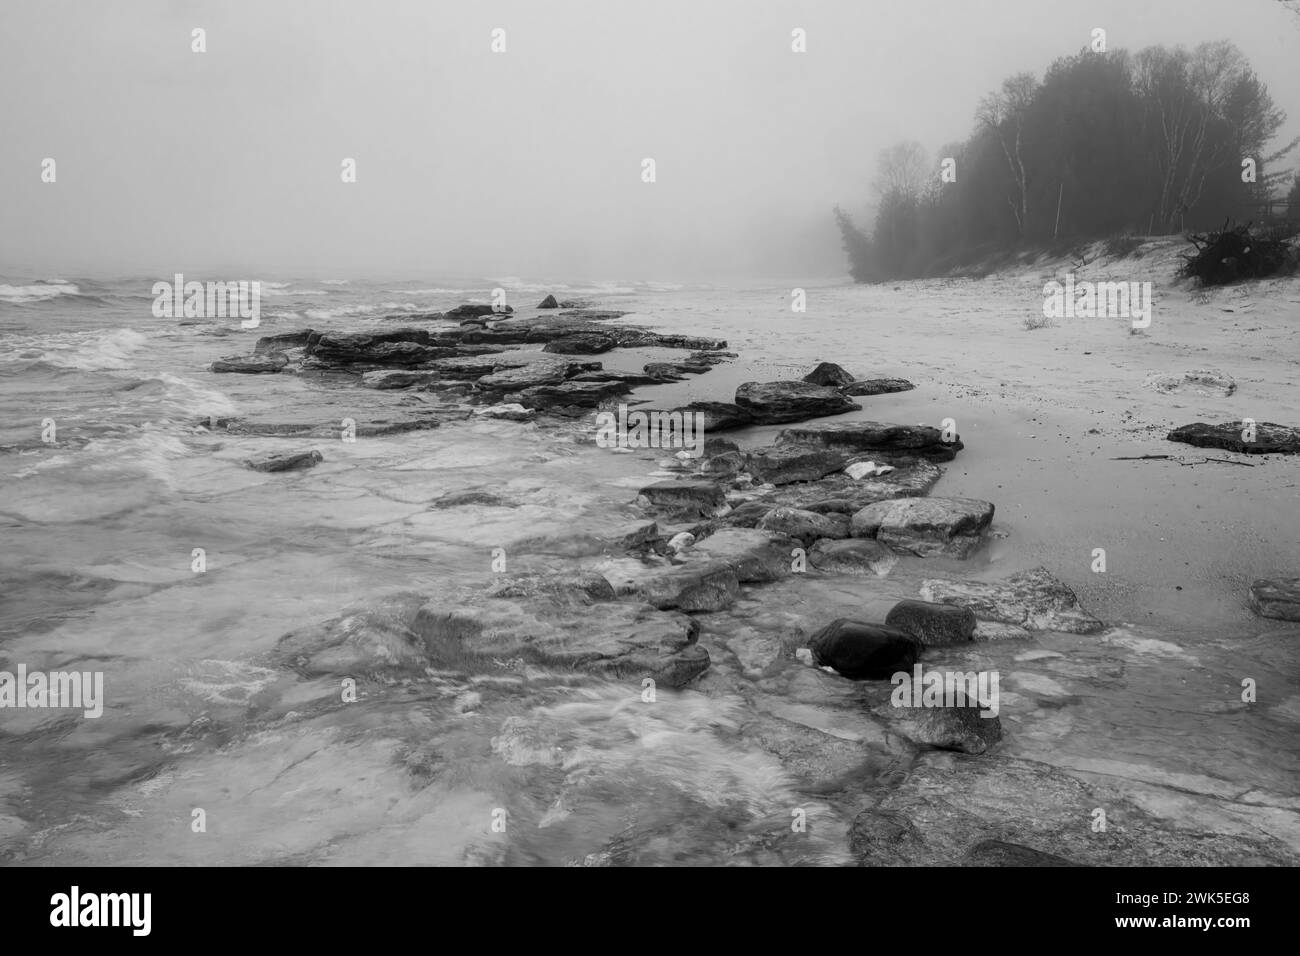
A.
x: 470, y: 311
x: 1269, y: 438
x: 828, y: 373
x: 548, y: 303
x: 864, y: 651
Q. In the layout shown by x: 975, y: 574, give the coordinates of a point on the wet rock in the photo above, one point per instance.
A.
x: 578, y: 587
x: 725, y: 465
x: 864, y: 651
x: 1276, y: 598
x: 462, y: 498
x: 681, y: 541
x: 475, y: 366
x: 828, y: 373
x: 772, y: 403
x: 511, y: 412
x: 1034, y: 600
x: 630, y: 379
x: 749, y: 514
x: 886, y: 442
x: 1269, y: 438
x: 958, y: 727
x: 571, y: 398
x: 709, y: 358
x: 852, y: 556
x: 397, y: 378
x: 472, y: 311
x: 788, y: 463
x: 755, y: 556
x: 266, y: 363
x: 694, y: 586
x: 866, y: 469
x: 877, y: 386
x: 933, y: 623
x: 883, y: 838
x: 684, y: 499
x: 925, y: 527
x: 1000, y: 853
x: 284, y: 460
x: 719, y: 416
x: 665, y: 371
x: 540, y: 372
x: 1198, y: 382
x: 285, y: 340
x: 630, y: 338
x: 804, y: 526
x: 548, y: 303
x: 589, y: 344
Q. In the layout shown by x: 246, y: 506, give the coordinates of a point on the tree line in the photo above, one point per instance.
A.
x: 1105, y: 144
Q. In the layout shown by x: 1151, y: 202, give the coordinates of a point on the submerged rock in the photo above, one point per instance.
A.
x: 391, y: 378
x: 864, y: 651
x: 1276, y: 598
x: 266, y: 363
x: 1000, y: 853
x: 1199, y: 382
x: 852, y: 556
x: 580, y: 587
x: 772, y: 403
x: 884, y: 441
x: 925, y: 527
x: 694, y: 586
x: 1034, y: 600
x: 947, y: 727
x: 684, y: 499
x: 755, y: 556
x: 933, y: 623
x: 828, y: 373
x: 1268, y: 438
x: 805, y: 526
x: 284, y: 460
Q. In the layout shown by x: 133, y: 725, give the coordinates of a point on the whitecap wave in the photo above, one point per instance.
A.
x: 39, y: 292
x: 100, y: 350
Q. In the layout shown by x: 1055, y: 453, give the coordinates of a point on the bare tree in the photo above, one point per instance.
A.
x: 1004, y: 113
x: 903, y: 170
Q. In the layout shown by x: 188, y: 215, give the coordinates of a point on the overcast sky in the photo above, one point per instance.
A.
x: 522, y: 163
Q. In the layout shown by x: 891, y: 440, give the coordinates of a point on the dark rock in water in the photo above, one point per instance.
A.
x: 285, y: 340
x: 864, y: 651
x: 852, y: 556
x: 1277, y: 598
x: 947, y: 726
x: 630, y: 379
x: 828, y: 373
x: 885, y: 442
x: 664, y: 371
x: 462, y: 498
x: 755, y: 556
x: 725, y: 465
x: 877, y: 386
x: 1269, y: 438
x: 804, y: 526
x: 335, y: 430
x: 469, y: 311
x: 580, y: 587
x: 1034, y: 600
x: 785, y: 464
x: 548, y: 303
x: 999, y: 853
x: 685, y: 499
x: 398, y: 347
x: 719, y: 416
x: 397, y: 378
x: 883, y: 838
x: 641, y: 339
x: 709, y: 358
x: 925, y: 527
x: 582, y: 344
x: 267, y: 362
x: 284, y: 460
x: 572, y: 395
x: 749, y: 514
x: 772, y: 403
x: 932, y: 623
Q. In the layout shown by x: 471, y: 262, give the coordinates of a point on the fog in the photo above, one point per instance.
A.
x: 526, y: 162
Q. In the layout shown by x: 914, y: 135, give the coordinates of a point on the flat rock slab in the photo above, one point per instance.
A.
x: 772, y: 403
x: 1269, y: 438
x: 788, y: 463
x: 581, y: 344
x: 933, y: 624
x: 756, y: 556
x: 267, y: 363
x: 510, y: 412
x: 925, y: 527
x: 885, y: 442
x: 284, y: 460
x: 864, y: 651
x: 1198, y: 382
x: 684, y: 499
x: 285, y: 340
x: 1033, y: 600
x: 877, y: 386
x: 852, y: 556
x: 548, y: 371
x: 847, y: 495
x: 1276, y: 598
x: 623, y: 640
x: 695, y: 586
x: 335, y: 430
x: 804, y: 526
x: 958, y: 727
x: 571, y: 397
x: 397, y: 378
x: 575, y: 588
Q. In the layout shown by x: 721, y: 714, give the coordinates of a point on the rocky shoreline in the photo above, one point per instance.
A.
x: 639, y: 602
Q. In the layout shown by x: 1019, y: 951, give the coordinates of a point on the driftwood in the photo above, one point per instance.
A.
x: 1233, y: 254
x: 1203, y: 461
